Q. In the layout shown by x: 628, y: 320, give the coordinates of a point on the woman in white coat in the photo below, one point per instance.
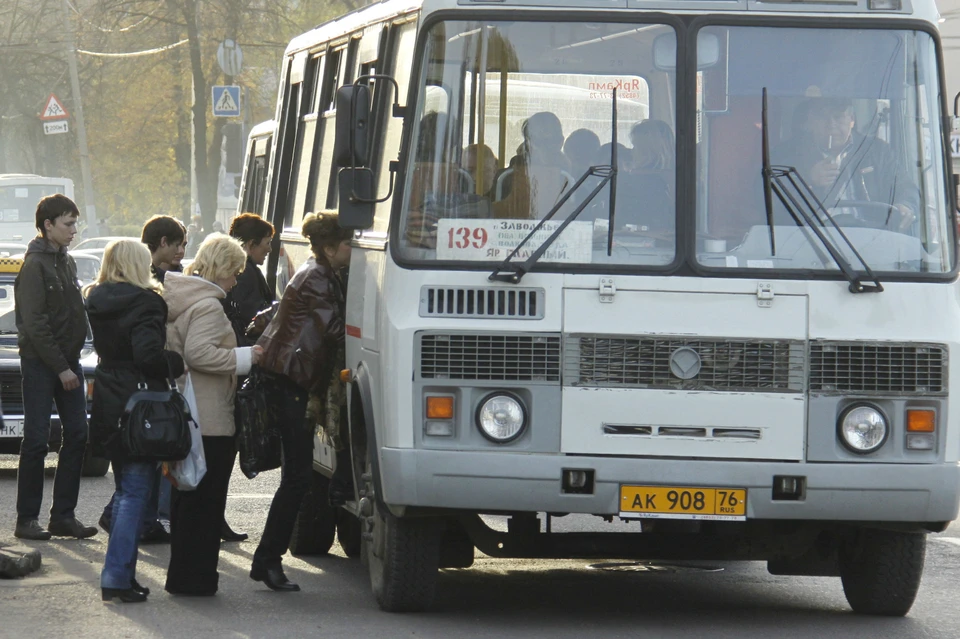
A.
x: 199, y: 330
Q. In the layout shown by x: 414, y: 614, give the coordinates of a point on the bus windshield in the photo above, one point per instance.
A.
x: 511, y: 115
x: 856, y: 113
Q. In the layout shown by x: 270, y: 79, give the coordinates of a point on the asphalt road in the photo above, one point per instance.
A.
x: 495, y: 598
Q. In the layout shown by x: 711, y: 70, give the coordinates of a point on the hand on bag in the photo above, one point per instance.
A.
x: 257, y: 353
x: 69, y: 380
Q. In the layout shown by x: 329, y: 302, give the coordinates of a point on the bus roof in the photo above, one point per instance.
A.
x: 388, y: 9
x: 263, y: 129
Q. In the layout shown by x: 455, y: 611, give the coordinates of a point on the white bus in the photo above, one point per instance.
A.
x: 19, y: 194
x: 253, y: 183
x: 705, y: 332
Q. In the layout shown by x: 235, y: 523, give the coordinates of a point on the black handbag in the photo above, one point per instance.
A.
x: 258, y: 440
x: 156, y: 425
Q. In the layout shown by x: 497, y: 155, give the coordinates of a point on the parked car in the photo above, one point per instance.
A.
x: 9, y: 249
x: 95, y: 245
x: 11, y: 399
x: 88, y: 266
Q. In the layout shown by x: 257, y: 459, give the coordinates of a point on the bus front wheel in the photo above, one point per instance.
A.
x: 881, y: 570
x: 402, y: 554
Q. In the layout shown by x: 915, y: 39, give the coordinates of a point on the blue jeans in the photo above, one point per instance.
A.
x: 133, y: 482
x: 155, y: 502
x: 41, y: 389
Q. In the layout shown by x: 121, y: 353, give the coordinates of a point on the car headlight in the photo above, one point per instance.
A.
x: 501, y: 418
x: 863, y: 429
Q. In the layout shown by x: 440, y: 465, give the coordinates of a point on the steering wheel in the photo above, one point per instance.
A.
x: 876, y: 215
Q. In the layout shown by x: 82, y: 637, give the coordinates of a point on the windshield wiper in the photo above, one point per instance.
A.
x: 515, y: 272
x: 808, y: 212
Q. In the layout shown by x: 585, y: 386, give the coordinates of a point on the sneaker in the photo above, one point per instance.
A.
x: 71, y: 528
x: 30, y: 529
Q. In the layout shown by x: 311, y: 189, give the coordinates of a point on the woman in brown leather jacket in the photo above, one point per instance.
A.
x: 299, y: 353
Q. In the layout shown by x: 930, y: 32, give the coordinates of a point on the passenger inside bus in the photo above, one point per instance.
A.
x: 579, y: 148
x: 540, y: 174
x: 480, y: 162
x: 645, y: 200
x: 854, y: 174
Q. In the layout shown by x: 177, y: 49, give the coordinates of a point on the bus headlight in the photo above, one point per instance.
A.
x: 862, y: 429
x: 501, y: 418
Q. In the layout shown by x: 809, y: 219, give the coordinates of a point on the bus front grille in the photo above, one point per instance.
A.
x: 669, y: 363
x: 515, y: 357
x: 487, y: 302
x: 878, y: 367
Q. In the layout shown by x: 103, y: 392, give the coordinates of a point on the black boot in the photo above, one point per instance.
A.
x: 228, y: 534
x: 128, y: 595
x: 273, y: 577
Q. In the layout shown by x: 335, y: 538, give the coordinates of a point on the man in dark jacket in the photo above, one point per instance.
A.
x: 52, y: 328
x: 840, y: 164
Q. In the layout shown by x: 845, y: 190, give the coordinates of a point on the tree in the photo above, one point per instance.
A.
x: 146, y: 66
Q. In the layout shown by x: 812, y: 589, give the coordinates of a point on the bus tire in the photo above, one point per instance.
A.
x: 348, y: 534
x: 881, y: 570
x: 316, y: 524
x: 402, y: 555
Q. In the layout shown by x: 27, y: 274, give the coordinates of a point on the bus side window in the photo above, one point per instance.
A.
x: 302, y: 178
x: 322, y: 166
x: 396, y: 62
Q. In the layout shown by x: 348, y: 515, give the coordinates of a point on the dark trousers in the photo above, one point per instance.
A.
x: 296, y: 438
x: 41, y: 388
x: 195, y: 518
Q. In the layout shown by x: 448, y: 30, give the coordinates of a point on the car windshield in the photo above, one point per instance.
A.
x: 856, y: 114
x: 513, y: 114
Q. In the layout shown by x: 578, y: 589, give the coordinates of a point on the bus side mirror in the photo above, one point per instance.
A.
x: 353, y: 119
x: 357, y: 198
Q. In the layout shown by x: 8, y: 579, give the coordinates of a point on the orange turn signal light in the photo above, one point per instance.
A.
x: 346, y: 375
x: 440, y: 407
x: 921, y: 420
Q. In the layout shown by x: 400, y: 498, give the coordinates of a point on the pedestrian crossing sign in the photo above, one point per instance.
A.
x: 226, y: 101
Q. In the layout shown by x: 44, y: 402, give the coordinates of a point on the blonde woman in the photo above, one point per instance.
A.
x: 128, y: 318
x: 199, y: 330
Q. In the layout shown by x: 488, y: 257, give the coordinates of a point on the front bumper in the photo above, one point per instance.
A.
x: 498, y: 482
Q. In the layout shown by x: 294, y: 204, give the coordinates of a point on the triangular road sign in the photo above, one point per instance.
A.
x: 53, y: 110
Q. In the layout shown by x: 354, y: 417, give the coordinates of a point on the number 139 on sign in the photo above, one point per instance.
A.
x: 463, y: 237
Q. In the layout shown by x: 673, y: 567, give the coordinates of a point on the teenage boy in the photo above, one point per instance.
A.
x: 51, y: 330
x: 166, y: 238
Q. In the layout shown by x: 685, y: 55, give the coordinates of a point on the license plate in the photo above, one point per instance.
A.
x: 11, y: 428
x: 676, y: 502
